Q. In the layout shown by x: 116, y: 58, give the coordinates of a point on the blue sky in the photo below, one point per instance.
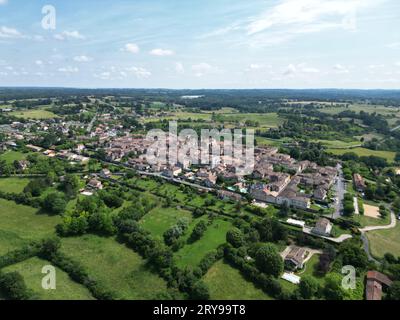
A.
x: 202, y: 44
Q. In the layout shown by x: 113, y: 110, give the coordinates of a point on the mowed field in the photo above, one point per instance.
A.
x: 36, y: 114
x: 227, y: 283
x: 21, y: 224
x: 191, y: 254
x: 116, y: 267
x: 160, y: 219
x: 384, y: 241
x: 66, y: 289
x: 13, y: 185
x: 388, y: 155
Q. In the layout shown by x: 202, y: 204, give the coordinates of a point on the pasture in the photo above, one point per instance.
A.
x: 13, y: 185
x: 21, y: 224
x: 227, y: 283
x: 116, y: 267
x: 66, y: 289
x: 361, y: 152
x: 35, y: 114
x: 384, y: 241
x: 192, y: 253
x: 158, y: 220
x: 11, y: 156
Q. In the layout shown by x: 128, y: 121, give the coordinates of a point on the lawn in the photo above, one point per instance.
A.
x: 36, y: 114
x: 383, y: 241
x: 13, y: 185
x: 388, y: 155
x: 114, y: 266
x: 368, y: 221
x: 11, y: 156
x: 227, y: 283
x: 191, y: 254
x: 66, y: 289
x: 158, y: 220
x: 21, y: 224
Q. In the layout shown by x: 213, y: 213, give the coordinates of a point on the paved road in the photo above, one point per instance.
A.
x: 340, y: 239
x: 364, y: 238
x: 340, y: 189
x: 389, y: 226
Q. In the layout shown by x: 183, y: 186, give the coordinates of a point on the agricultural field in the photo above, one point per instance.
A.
x: 35, y: 114
x: 388, y: 155
x: 21, y: 224
x: 227, y: 283
x: 265, y: 120
x: 13, y: 185
x: 158, y: 220
x: 384, y: 241
x: 116, y: 267
x: 66, y: 289
x: 192, y: 253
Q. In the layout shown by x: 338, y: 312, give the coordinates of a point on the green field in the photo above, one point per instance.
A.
x: 114, y: 266
x: 388, y: 155
x: 11, y: 156
x: 227, y: 283
x: 158, y: 220
x: 36, y: 114
x: 66, y: 289
x: 384, y: 241
x: 265, y: 120
x: 338, y: 144
x: 13, y: 185
x: 191, y: 254
x: 21, y: 224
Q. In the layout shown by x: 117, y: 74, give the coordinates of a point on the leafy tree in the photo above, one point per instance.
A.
x: 198, y: 230
x: 269, y: 261
x: 308, y: 287
x: 200, y: 291
x: 333, y: 287
x: 13, y: 286
x: 394, y: 291
x: 54, y: 203
x: 70, y: 185
x: 235, y: 237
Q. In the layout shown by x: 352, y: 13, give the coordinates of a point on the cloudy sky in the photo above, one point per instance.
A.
x: 201, y: 43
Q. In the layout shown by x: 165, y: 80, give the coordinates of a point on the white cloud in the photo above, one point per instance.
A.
x: 139, y: 72
x: 203, y: 68
x: 131, y: 47
x: 69, y: 35
x: 82, y: 58
x: 340, y: 69
x: 397, y: 64
x: 9, y: 33
x: 68, y: 69
x: 39, y: 62
x: 179, y: 68
x: 292, y: 69
x: 288, y: 19
x: 313, y: 14
x: 161, y: 52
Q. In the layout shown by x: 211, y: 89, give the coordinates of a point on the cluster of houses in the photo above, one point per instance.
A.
x: 270, y: 186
